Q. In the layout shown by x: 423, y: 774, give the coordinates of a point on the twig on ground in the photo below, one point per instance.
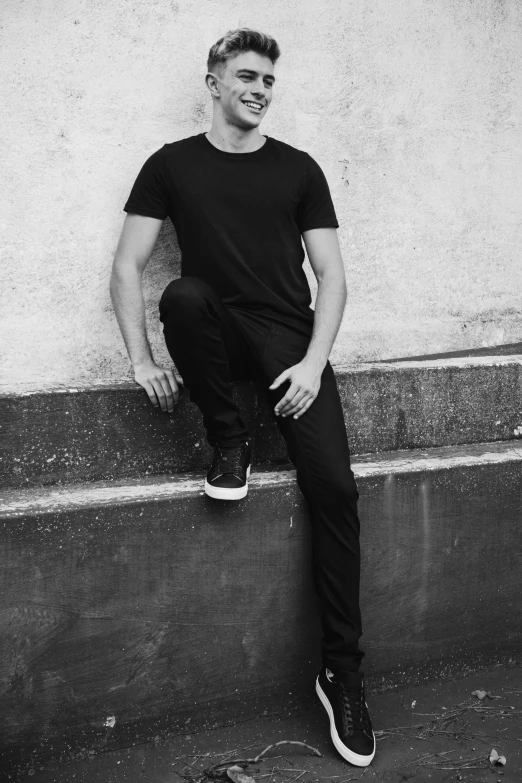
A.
x: 464, y: 767
x: 286, y: 742
x: 235, y: 751
x: 432, y: 762
x: 298, y: 776
x: 293, y: 769
x: 217, y: 769
x: 429, y: 756
x: 451, y: 722
x: 282, y: 769
x: 381, y: 733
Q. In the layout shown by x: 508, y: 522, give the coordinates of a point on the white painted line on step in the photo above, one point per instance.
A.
x: 19, y: 502
x: 52, y: 499
x: 426, y: 364
x: 104, y: 493
x: 427, y: 461
x: 29, y: 389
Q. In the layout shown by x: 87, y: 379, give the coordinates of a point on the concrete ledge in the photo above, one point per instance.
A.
x: 107, y: 431
x: 148, y: 602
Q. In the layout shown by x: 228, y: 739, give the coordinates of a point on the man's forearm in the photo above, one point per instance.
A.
x: 329, y: 308
x: 305, y: 377
x: 127, y: 298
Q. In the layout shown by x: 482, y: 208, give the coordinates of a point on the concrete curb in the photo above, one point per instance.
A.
x: 186, y: 485
x: 110, y: 431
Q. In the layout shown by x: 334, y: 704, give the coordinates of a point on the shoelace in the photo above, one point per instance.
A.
x: 354, y: 709
x: 229, y: 461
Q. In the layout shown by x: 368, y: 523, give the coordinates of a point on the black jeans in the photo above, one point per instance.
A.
x: 212, y: 345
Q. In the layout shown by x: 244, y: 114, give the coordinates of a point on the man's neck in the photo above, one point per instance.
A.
x: 231, y: 139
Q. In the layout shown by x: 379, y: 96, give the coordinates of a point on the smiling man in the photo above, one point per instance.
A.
x: 242, y: 204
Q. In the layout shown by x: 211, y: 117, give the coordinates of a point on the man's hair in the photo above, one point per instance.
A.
x: 242, y: 40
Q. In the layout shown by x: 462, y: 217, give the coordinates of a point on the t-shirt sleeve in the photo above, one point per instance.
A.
x: 316, y: 209
x: 149, y: 195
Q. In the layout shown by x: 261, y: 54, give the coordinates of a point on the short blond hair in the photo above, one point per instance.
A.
x: 242, y: 40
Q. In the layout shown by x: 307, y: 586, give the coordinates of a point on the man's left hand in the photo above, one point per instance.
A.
x: 305, y: 382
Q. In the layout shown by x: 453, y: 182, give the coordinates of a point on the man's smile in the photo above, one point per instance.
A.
x: 253, y: 105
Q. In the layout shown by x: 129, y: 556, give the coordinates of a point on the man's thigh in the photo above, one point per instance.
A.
x: 316, y: 440
x: 245, y: 336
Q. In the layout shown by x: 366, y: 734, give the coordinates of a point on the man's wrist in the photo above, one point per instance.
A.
x: 316, y: 360
x: 142, y: 363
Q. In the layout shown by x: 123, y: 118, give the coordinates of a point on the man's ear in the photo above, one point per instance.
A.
x: 211, y: 80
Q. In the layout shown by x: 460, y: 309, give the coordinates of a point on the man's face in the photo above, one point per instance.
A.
x: 245, y: 88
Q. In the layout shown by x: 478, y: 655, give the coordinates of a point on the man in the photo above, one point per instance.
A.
x: 240, y: 203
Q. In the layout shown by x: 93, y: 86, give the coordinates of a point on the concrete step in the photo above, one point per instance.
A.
x: 110, y: 431
x: 146, y: 603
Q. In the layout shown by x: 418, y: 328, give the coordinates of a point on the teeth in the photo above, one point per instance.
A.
x: 252, y: 105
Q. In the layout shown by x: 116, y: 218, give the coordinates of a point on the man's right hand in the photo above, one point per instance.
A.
x: 160, y: 384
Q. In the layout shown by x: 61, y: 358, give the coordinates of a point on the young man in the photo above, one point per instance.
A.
x: 240, y: 203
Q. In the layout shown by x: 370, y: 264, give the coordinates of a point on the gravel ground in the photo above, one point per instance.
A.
x: 435, y: 732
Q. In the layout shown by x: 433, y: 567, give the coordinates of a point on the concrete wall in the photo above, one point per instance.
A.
x: 412, y: 108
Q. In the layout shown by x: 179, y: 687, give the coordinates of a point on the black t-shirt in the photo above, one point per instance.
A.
x: 239, y: 219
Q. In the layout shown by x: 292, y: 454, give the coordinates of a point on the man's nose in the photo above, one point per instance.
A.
x: 259, y: 89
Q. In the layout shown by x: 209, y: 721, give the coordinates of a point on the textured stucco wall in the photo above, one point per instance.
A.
x: 412, y: 108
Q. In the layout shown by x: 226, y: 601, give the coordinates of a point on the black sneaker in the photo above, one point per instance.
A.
x: 350, y: 724
x: 229, y: 472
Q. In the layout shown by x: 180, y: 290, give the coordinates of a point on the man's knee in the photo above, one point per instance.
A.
x: 333, y: 487
x: 183, y: 296
x: 342, y: 489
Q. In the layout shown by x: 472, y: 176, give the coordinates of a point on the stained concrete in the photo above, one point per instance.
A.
x: 413, y: 111
x: 164, y: 607
x: 102, y: 431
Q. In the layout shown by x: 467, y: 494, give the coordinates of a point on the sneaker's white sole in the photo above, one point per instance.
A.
x: 346, y: 753
x: 224, y: 493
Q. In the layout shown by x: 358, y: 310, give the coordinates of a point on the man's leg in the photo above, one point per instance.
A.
x: 208, y: 353
x: 318, y: 447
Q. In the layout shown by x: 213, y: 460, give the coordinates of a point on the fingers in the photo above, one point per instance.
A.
x: 149, y: 388
x: 290, y: 401
x: 173, y: 385
x: 301, y: 393
x: 164, y: 394
x: 304, y: 407
x: 161, y: 387
x: 285, y: 401
x: 299, y: 405
x: 280, y: 379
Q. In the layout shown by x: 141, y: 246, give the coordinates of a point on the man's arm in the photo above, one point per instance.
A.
x: 326, y: 261
x: 135, y: 246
